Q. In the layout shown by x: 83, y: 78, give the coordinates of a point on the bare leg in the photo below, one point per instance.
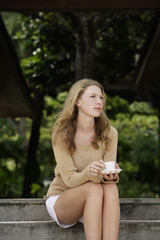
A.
x: 111, y: 212
x: 85, y: 200
x: 93, y: 213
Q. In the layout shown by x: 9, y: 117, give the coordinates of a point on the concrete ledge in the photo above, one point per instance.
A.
x: 139, y: 230
x: 35, y: 209
x: 47, y: 230
x: 140, y: 208
x: 23, y: 209
x: 39, y: 230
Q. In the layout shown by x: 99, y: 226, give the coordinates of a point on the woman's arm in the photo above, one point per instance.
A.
x: 69, y: 173
x: 111, y: 155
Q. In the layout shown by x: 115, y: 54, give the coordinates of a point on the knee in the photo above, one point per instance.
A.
x: 94, y: 190
x: 111, y: 191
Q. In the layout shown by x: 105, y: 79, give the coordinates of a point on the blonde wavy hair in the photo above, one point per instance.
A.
x: 64, y: 128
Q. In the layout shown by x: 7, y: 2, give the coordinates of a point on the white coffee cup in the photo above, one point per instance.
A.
x: 110, y: 165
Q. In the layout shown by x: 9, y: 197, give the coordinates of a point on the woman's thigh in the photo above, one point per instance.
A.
x: 70, y: 204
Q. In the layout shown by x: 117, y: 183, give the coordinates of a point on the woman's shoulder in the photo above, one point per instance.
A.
x: 58, y: 139
x: 112, y: 132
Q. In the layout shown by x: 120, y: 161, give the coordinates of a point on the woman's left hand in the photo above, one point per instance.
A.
x: 112, y: 176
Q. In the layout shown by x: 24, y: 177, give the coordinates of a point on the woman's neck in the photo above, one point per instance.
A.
x: 85, y: 125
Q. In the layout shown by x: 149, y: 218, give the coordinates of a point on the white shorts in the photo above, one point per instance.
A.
x: 50, y: 207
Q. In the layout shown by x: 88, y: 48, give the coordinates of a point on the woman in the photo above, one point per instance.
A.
x: 82, y: 141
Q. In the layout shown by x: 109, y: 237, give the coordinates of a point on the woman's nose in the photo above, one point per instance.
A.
x: 99, y: 100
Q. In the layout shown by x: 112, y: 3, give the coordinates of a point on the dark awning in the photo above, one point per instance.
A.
x: 10, y: 5
x: 150, y: 61
x: 148, y: 78
x: 14, y: 96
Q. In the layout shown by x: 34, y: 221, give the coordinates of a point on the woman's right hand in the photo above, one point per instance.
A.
x: 96, y: 167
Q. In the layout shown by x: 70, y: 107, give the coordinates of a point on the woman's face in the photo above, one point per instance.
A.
x: 91, y: 102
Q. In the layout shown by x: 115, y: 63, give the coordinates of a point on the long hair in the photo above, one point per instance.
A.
x: 64, y: 128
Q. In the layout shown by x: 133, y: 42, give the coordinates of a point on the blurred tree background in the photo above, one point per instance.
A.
x: 56, y: 49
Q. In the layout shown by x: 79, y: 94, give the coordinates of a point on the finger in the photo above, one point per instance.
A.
x: 92, y: 173
x: 116, y: 175
x: 94, y: 170
x: 117, y: 166
x: 97, y: 165
x: 102, y: 163
x: 111, y: 176
x: 107, y: 176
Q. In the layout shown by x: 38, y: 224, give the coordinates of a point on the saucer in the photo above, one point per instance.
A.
x: 111, y: 171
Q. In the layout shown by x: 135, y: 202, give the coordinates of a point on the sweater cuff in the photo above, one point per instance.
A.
x: 94, y: 178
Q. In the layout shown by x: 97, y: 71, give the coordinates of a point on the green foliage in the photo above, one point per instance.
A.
x: 45, y: 154
x: 48, y: 55
x: 138, y: 154
x: 141, y: 108
x: 115, y: 105
x: 12, y: 158
x: 34, y: 188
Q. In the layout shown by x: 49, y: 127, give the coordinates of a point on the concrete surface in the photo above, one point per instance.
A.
x: 25, y: 219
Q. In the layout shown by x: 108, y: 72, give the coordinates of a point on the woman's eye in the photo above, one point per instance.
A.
x: 101, y: 98
x: 92, y: 96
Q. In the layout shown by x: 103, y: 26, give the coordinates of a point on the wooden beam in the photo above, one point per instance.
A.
x: 150, y: 70
x: 71, y: 5
x: 148, y: 78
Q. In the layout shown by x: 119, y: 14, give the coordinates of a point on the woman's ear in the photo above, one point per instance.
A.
x: 77, y: 103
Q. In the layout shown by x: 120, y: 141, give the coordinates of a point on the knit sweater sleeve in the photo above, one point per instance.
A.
x: 68, y: 171
x: 111, y: 153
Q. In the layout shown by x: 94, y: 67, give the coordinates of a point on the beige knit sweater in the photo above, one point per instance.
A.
x: 72, y: 171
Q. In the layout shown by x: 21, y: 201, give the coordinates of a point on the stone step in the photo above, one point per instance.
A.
x: 23, y: 210
x: 35, y: 209
x: 48, y: 230
x: 140, y: 208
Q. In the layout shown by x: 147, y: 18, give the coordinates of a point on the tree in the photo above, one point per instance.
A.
x: 42, y: 69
